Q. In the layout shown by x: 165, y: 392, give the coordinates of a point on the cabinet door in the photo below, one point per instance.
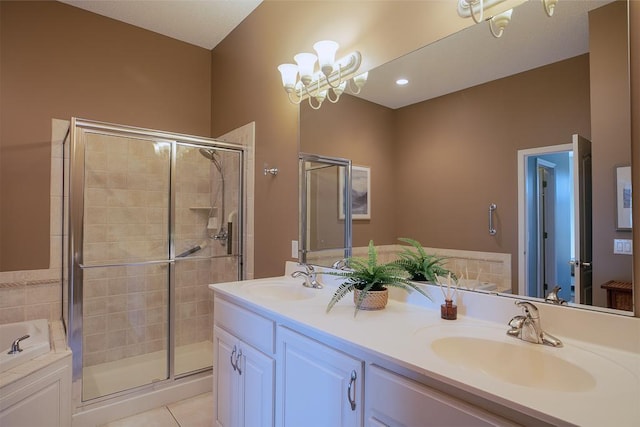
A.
x: 226, y: 386
x: 394, y: 401
x: 320, y: 385
x: 257, y: 379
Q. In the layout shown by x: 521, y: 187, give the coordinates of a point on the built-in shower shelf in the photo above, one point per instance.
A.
x: 200, y: 208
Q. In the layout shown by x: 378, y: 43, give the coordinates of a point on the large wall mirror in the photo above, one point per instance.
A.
x: 485, y: 121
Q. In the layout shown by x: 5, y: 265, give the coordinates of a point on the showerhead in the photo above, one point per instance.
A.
x: 213, y: 156
x: 209, y: 153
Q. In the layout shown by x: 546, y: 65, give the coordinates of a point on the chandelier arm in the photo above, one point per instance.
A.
x: 292, y: 100
x: 354, y: 88
x: 336, y: 99
x: 339, y: 78
x: 493, y: 31
x: 548, y: 10
x: 310, y: 93
x: 311, y: 104
x: 473, y: 15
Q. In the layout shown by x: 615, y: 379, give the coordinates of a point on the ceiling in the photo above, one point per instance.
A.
x: 531, y: 40
x: 203, y: 23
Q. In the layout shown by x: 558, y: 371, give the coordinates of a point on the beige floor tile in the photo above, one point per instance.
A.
x: 194, y: 412
x: 159, y: 417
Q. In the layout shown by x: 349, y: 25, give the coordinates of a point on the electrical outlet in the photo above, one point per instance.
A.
x: 294, y: 249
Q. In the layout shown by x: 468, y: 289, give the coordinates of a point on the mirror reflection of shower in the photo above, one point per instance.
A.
x: 214, y: 231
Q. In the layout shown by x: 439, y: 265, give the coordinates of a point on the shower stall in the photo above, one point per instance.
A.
x: 154, y: 218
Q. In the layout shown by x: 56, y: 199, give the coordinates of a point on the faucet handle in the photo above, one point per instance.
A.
x: 554, y: 298
x: 528, y: 308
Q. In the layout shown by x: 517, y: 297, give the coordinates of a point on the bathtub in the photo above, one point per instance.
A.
x: 34, y: 346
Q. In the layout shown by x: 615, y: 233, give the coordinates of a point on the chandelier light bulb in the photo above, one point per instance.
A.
x: 289, y: 73
x: 326, y: 50
x: 306, y: 64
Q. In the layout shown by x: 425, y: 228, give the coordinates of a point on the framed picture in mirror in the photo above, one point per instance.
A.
x: 360, y: 193
x: 623, y: 198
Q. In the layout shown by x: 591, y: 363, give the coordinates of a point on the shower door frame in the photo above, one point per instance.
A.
x: 74, y: 254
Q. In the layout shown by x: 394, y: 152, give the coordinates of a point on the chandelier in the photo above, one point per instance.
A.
x: 497, y: 23
x: 329, y: 81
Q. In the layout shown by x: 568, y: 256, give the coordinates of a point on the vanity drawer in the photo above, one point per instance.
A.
x: 394, y: 400
x: 250, y: 327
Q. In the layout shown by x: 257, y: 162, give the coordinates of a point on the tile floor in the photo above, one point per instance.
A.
x: 193, y: 412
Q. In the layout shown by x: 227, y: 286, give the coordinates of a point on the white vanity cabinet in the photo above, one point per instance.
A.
x: 394, y: 400
x: 318, y: 385
x: 244, y: 367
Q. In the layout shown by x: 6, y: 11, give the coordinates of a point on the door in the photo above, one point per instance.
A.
x: 257, y: 380
x: 320, y: 386
x: 582, y: 268
x: 545, y: 229
x: 226, y: 410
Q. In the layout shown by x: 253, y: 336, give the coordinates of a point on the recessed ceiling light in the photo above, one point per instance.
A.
x: 402, y: 82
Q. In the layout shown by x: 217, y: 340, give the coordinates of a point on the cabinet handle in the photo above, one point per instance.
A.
x: 238, y: 361
x: 352, y: 384
x: 235, y: 367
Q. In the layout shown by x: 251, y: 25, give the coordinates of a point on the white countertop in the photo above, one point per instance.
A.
x: 403, y: 333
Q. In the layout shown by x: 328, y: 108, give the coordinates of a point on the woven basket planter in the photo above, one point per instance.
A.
x: 374, y: 300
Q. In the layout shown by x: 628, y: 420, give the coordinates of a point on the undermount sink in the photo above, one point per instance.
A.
x: 281, y: 292
x: 515, y: 363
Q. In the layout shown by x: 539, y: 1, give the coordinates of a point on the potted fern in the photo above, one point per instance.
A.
x: 370, y: 281
x: 420, y: 266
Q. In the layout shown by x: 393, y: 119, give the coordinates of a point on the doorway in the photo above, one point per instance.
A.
x: 554, y: 223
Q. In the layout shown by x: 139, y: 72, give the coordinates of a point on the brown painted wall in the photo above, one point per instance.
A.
x: 58, y: 61
x: 276, y: 198
x: 459, y: 153
x: 610, y: 136
x: 367, y: 138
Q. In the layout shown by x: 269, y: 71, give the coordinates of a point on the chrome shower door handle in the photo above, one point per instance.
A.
x: 350, y: 388
x: 492, y: 230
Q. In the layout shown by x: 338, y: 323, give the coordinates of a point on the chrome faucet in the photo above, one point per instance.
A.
x: 310, y: 277
x: 15, y: 347
x: 553, y: 297
x: 527, y: 327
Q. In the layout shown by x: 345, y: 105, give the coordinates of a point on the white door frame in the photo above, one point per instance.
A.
x: 522, y: 211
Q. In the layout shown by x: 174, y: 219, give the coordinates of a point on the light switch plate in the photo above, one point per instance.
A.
x: 294, y: 249
x: 622, y: 246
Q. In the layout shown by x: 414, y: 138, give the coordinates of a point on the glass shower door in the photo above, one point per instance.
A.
x: 125, y: 263
x: 207, y: 226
